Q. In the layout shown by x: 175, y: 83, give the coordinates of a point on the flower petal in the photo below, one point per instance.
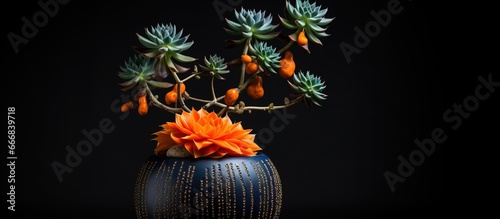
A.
x: 202, y: 144
x: 227, y: 145
x: 206, y: 151
x: 205, y: 134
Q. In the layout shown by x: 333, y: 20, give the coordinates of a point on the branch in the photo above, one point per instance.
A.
x: 290, y: 43
x: 243, y: 65
x: 210, y: 103
x: 158, y: 104
x: 233, y: 109
x: 193, y: 74
x: 179, y: 97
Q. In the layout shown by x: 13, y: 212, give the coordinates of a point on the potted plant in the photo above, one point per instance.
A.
x: 205, y: 165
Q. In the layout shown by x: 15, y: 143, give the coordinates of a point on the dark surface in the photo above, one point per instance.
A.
x: 331, y: 159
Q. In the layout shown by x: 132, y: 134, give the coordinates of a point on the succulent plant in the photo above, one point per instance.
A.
x: 215, y: 65
x: 162, y: 47
x: 268, y: 58
x: 252, y: 23
x: 308, y: 17
x: 165, y: 42
x: 309, y: 85
x: 138, y: 70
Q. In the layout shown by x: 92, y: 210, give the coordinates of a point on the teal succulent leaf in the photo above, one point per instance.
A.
x: 310, y: 85
x: 252, y: 24
x: 266, y: 55
x: 183, y: 58
x: 165, y: 37
x: 147, y: 52
x: 165, y: 42
x: 306, y: 16
x: 216, y: 65
x: 136, y: 70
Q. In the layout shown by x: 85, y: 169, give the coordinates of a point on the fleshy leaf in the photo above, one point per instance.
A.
x: 160, y: 84
x: 183, y: 58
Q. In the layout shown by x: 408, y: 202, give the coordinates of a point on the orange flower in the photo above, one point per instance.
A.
x: 205, y: 134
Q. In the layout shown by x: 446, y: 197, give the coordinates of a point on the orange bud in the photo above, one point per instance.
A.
x: 287, y: 65
x: 127, y: 106
x: 142, y: 99
x: 246, y: 59
x: 183, y: 88
x: 171, y: 97
x: 251, y: 68
x: 302, y: 39
x: 255, y: 89
x: 231, y: 96
x: 143, y: 109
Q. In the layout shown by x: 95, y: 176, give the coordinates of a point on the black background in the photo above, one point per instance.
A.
x: 331, y: 158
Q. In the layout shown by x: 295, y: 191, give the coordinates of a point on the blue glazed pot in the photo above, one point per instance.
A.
x: 230, y: 187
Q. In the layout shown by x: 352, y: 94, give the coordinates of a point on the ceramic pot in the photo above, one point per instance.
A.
x: 230, y: 187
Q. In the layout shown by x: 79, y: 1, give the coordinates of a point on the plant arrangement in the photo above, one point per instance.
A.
x: 159, y: 74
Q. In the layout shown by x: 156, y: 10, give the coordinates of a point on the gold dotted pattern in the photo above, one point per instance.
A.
x: 224, y: 190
